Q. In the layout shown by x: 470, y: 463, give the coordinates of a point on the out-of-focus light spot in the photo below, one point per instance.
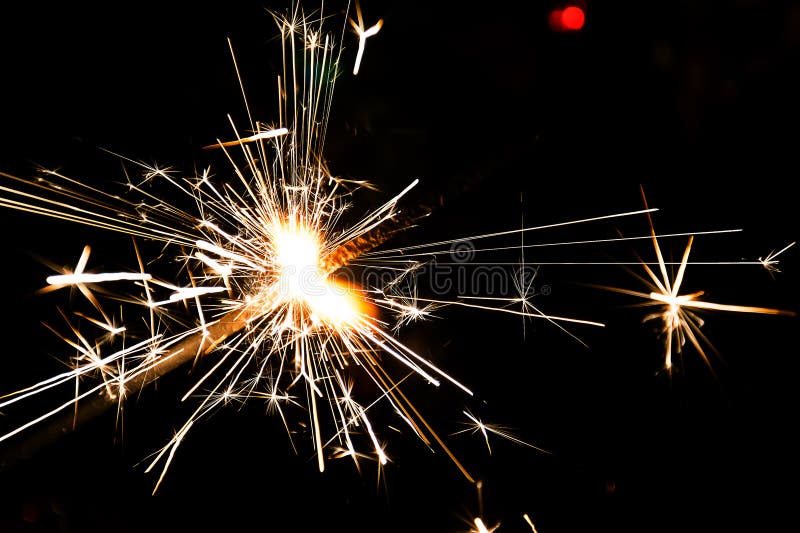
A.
x: 554, y: 19
x: 570, y: 18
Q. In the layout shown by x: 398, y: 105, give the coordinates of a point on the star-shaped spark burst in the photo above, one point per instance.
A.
x: 476, y: 425
x: 677, y: 312
x: 770, y: 262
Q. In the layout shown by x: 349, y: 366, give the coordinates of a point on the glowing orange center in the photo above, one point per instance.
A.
x: 301, y: 279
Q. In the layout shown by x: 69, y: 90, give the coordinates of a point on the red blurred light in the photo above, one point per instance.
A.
x: 554, y: 19
x: 570, y: 18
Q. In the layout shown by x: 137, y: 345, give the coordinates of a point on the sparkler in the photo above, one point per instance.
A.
x: 260, y: 260
x: 259, y: 291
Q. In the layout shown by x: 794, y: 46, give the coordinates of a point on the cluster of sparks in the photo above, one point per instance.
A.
x: 260, y: 255
x: 678, y: 313
x: 258, y: 291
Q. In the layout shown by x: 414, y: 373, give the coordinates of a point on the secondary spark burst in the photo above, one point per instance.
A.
x: 678, y: 312
x: 770, y: 262
x: 476, y: 425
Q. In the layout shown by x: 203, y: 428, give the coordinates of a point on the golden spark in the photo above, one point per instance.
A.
x: 363, y: 35
x: 770, y: 262
x: 678, y: 312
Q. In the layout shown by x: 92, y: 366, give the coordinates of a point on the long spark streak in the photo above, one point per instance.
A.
x: 74, y: 279
x: 526, y: 314
x: 511, y: 232
x: 264, y: 135
x: 565, y: 243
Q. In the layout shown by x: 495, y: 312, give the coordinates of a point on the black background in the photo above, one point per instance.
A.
x: 696, y: 101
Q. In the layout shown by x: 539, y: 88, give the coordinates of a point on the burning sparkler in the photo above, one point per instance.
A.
x: 260, y: 292
x: 261, y: 255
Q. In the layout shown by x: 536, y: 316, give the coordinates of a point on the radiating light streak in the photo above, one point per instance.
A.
x: 74, y: 279
x: 509, y: 232
x: 260, y: 136
x: 566, y: 243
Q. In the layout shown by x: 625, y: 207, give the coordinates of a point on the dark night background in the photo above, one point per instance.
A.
x: 697, y: 101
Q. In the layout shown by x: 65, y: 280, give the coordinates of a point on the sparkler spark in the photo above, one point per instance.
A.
x: 476, y: 425
x: 363, y: 35
x: 770, y: 262
x: 678, y: 316
x: 480, y: 527
x: 529, y: 522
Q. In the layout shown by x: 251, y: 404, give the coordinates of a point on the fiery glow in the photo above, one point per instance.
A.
x: 297, y: 262
x: 297, y: 249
